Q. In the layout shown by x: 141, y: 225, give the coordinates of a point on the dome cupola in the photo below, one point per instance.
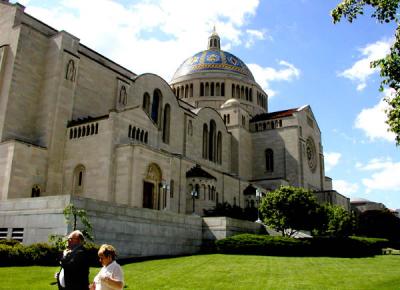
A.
x: 214, y: 42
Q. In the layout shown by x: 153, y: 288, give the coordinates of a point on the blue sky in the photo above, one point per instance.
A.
x: 292, y: 47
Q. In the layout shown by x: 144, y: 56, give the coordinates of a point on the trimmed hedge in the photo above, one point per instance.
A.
x: 13, y: 253
x: 284, y: 246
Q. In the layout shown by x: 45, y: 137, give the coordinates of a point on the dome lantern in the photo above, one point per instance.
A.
x: 214, y: 41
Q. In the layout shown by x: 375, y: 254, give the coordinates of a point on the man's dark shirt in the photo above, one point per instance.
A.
x: 76, y: 269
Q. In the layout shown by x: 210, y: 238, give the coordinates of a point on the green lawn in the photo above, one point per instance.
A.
x: 234, y: 272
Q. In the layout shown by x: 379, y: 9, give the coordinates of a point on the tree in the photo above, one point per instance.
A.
x: 289, y: 209
x: 378, y: 224
x: 385, y: 11
x: 72, y: 215
x: 334, y: 221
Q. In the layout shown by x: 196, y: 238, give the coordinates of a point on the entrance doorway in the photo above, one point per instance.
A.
x: 148, y: 194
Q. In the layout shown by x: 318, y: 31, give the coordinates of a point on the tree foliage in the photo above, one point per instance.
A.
x: 334, y: 221
x: 378, y: 224
x: 385, y: 11
x: 72, y: 217
x: 72, y: 214
x: 289, y: 209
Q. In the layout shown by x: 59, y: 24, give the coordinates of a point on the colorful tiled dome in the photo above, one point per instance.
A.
x: 214, y: 60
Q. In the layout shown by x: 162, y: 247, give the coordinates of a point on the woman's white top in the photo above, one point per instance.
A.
x: 112, y: 270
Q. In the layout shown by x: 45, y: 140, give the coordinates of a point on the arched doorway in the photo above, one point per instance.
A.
x: 151, y: 187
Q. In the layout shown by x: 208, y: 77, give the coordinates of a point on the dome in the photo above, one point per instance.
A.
x: 230, y: 102
x: 214, y: 60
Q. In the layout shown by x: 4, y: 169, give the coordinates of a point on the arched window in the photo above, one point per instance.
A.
x: 269, y: 160
x: 156, y: 107
x: 217, y: 89
x: 141, y: 136
x: 35, y: 191
x: 171, y: 188
x: 145, y: 137
x: 205, y: 141
x: 191, y: 91
x: 212, y: 141
x: 133, y: 133
x: 146, y: 103
x: 186, y: 91
x: 190, y: 128
x: 219, y: 147
x: 223, y: 89
x: 242, y: 92
x: 166, y: 124
x: 201, y: 89
x: 251, y: 95
x: 207, y: 92
x: 237, y: 91
x: 212, y: 89
x: 78, y: 179
x: 233, y: 90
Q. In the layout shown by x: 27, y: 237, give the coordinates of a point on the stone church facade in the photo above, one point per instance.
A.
x: 73, y: 122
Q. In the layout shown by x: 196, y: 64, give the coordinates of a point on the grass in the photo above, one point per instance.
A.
x: 234, y: 272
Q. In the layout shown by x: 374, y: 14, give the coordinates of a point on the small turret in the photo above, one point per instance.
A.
x: 214, y: 41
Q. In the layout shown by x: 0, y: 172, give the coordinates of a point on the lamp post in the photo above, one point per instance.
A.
x: 194, y: 195
x: 258, y: 196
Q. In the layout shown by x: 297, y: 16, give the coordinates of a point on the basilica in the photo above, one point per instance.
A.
x: 74, y: 123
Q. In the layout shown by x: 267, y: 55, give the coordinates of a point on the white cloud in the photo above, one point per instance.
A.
x: 150, y: 36
x: 344, y: 187
x: 361, y: 70
x: 373, y: 122
x: 265, y: 75
x: 331, y: 159
x: 385, y: 175
x: 254, y: 35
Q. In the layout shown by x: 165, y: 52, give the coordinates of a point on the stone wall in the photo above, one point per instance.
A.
x: 217, y: 228
x: 133, y: 231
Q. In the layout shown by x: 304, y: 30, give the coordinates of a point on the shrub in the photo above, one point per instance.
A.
x: 42, y: 254
x: 285, y: 246
x: 9, y: 242
x: 261, y: 245
x: 375, y: 243
x: 12, y: 255
x: 16, y: 254
x: 92, y: 250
